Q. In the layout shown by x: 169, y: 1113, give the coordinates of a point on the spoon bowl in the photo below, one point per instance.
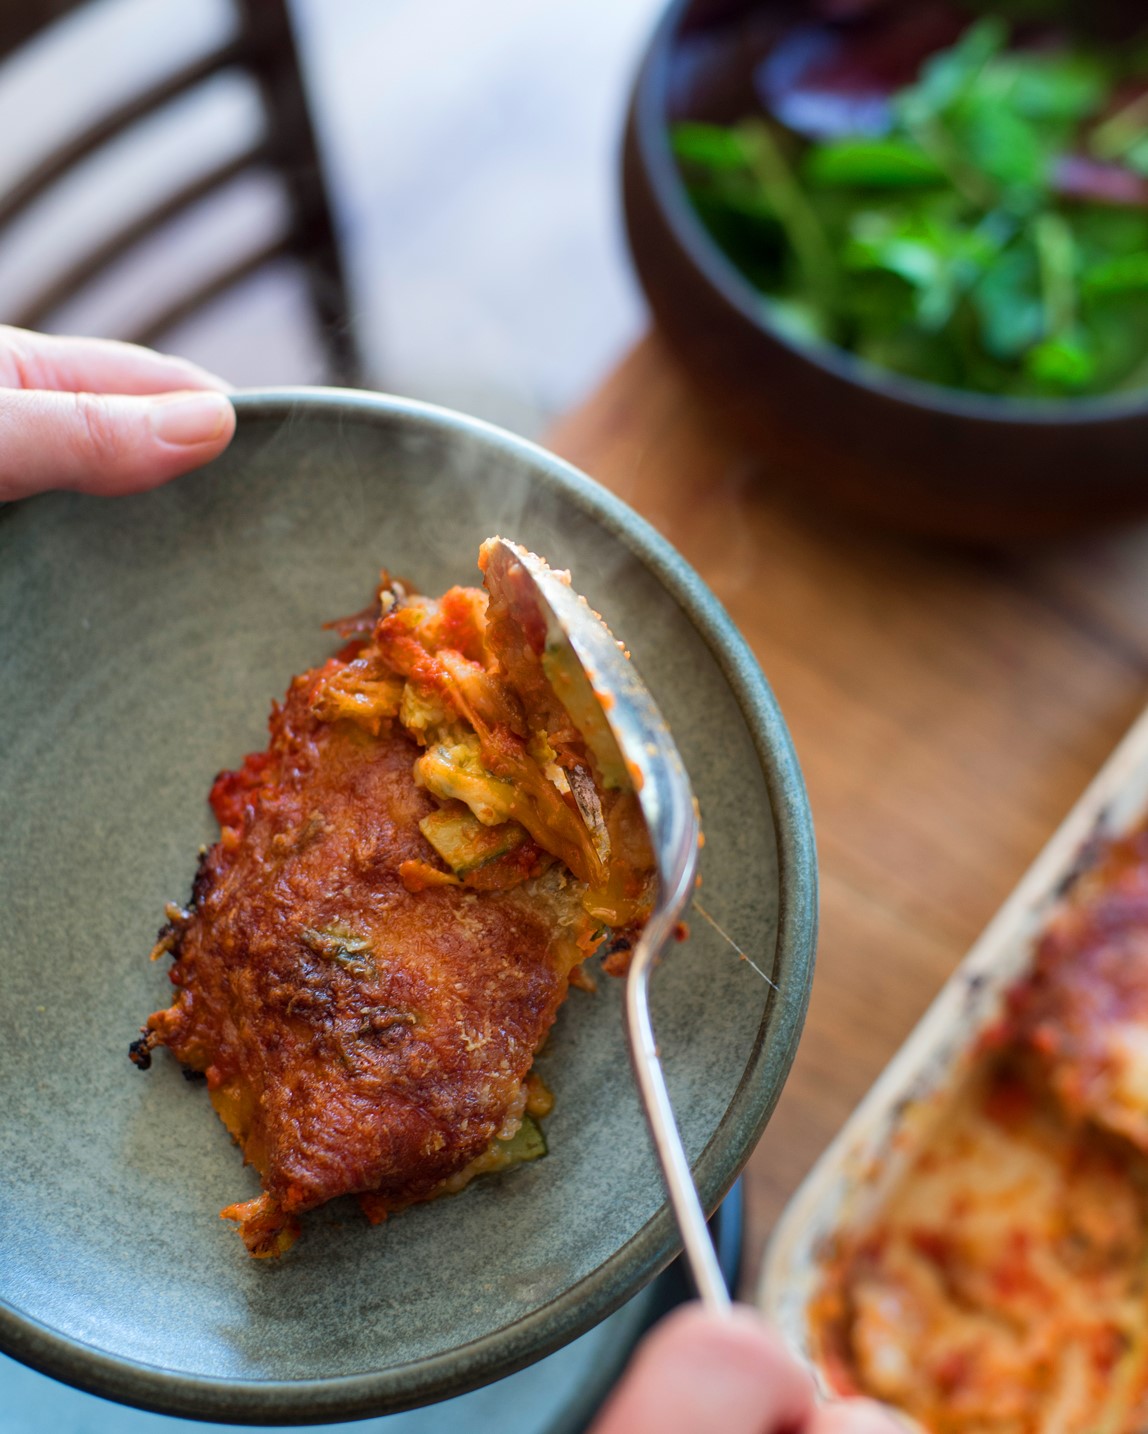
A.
x: 633, y: 743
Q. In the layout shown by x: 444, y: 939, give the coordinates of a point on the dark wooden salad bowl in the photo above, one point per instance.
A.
x: 903, y: 452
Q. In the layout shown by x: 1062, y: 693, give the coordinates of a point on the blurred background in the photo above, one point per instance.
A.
x: 469, y: 154
x: 424, y: 196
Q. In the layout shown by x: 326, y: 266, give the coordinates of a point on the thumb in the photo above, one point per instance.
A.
x: 106, y: 443
x: 704, y: 1374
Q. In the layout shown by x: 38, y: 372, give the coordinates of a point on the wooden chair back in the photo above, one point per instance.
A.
x: 261, y: 45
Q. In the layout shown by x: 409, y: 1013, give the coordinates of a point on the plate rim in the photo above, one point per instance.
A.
x: 654, y: 1246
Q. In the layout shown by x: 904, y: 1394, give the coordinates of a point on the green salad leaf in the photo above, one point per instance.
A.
x: 945, y: 247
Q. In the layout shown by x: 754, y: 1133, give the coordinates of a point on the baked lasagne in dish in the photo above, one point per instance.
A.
x: 1004, y: 1285
x: 407, y: 881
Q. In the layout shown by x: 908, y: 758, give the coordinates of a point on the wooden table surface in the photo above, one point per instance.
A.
x: 947, y: 709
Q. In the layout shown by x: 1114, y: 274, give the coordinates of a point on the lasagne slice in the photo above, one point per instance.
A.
x: 1083, y: 1010
x: 1004, y: 1285
x: 406, y: 883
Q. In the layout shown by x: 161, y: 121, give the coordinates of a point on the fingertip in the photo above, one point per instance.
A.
x: 194, y: 418
x: 132, y: 444
x: 857, y: 1416
x: 185, y: 431
x: 701, y: 1371
x: 743, y: 1342
x: 739, y: 1333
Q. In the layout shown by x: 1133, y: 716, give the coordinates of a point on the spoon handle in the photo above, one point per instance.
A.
x: 686, y: 1205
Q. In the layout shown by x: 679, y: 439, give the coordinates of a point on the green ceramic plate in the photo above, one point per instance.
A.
x: 141, y: 641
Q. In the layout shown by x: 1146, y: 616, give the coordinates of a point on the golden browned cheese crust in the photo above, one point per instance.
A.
x: 356, y: 1036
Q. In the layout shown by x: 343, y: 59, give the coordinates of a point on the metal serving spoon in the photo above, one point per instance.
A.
x: 600, y: 683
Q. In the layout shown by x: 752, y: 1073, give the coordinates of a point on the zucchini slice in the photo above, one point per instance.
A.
x: 464, y: 842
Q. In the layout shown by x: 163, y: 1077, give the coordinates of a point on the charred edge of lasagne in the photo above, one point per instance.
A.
x: 167, y: 943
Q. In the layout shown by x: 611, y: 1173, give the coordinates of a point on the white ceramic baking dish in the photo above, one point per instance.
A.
x: 845, y: 1190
